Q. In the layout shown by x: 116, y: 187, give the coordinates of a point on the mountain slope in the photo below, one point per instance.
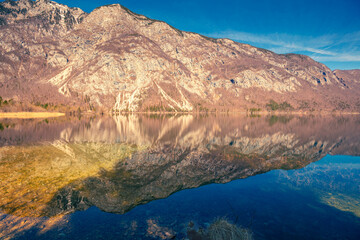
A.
x: 115, y: 59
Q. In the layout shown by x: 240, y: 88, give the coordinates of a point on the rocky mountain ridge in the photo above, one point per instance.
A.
x: 58, y: 15
x: 116, y: 60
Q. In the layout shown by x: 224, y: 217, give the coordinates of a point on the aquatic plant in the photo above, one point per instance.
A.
x: 221, y: 229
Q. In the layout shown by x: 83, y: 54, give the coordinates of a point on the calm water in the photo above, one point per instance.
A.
x: 157, y: 176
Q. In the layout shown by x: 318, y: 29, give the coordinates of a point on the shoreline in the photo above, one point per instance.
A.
x: 246, y: 113
x: 26, y: 115
x: 30, y: 115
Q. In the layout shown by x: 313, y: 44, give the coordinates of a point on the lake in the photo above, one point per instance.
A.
x: 172, y: 176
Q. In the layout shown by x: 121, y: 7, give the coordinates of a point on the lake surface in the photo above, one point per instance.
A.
x: 161, y: 176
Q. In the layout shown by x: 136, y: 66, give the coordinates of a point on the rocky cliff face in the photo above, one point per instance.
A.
x: 117, y: 60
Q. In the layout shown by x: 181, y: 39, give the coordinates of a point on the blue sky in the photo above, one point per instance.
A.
x: 326, y: 30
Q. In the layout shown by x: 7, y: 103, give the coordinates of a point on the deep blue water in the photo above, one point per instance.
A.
x: 276, y: 205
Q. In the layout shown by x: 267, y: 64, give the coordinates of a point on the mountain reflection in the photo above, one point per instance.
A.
x: 116, y: 163
x: 335, y: 183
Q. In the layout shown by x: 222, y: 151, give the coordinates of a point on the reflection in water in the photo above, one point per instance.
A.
x: 31, y: 175
x: 336, y: 182
x: 50, y: 169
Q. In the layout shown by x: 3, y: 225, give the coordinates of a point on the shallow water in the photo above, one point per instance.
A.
x: 154, y: 176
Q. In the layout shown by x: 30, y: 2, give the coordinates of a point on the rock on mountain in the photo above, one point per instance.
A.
x: 114, y: 59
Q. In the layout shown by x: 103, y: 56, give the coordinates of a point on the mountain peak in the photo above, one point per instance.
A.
x: 52, y: 13
x: 113, y: 13
x: 115, y: 59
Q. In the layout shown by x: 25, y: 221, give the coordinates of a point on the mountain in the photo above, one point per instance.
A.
x: 114, y: 59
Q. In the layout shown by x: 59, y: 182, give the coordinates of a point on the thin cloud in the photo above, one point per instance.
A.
x: 330, y: 47
x: 339, y: 58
